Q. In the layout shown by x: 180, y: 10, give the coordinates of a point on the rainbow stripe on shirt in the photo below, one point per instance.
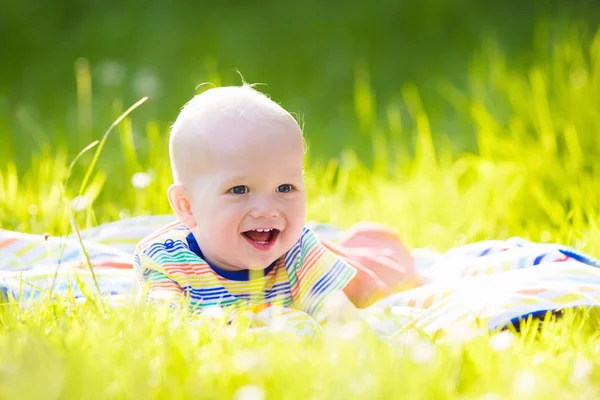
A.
x: 302, y: 278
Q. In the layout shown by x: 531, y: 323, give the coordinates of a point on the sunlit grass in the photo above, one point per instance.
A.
x: 60, y: 350
x: 534, y: 174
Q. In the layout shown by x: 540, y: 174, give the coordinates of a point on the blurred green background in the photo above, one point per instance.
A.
x: 416, y: 112
x: 312, y: 55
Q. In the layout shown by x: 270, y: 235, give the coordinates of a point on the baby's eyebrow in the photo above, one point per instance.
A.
x: 235, y: 179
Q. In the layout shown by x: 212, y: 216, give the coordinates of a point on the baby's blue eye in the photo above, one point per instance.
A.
x: 239, y: 189
x: 284, y: 188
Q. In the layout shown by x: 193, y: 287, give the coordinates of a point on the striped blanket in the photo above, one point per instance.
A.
x: 495, y: 281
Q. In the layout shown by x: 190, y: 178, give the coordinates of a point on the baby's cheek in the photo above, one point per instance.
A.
x: 300, y: 211
x: 231, y: 220
x: 297, y: 220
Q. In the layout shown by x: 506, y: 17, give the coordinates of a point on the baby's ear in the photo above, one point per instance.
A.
x: 181, y: 205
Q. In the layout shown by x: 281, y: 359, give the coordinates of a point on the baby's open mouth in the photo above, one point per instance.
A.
x: 261, y: 238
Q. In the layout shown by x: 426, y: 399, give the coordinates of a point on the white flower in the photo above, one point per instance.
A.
x: 246, y: 360
x: 229, y: 333
x: 124, y: 214
x: 213, y: 312
x: 350, y: 330
x: 249, y: 392
x: 524, y: 383
x: 277, y: 324
x: 491, y: 396
x: 462, y: 332
x: 538, y: 359
x: 146, y: 83
x: 141, y: 180
x: 581, y: 369
x: 32, y: 209
x: 408, y: 339
x: 361, y: 384
x: 80, y: 203
x: 111, y: 73
x: 545, y: 237
x: 502, y: 341
x: 423, y: 352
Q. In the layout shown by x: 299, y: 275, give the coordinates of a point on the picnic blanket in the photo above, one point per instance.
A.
x: 494, y: 281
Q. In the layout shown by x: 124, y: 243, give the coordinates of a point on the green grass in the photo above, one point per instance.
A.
x: 65, y: 351
x: 534, y: 173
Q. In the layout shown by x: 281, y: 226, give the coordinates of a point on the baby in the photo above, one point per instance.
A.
x: 240, y: 240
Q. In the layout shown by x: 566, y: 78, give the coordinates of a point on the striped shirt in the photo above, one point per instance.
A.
x: 171, y: 264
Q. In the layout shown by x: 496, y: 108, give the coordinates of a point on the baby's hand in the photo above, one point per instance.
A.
x: 384, y: 266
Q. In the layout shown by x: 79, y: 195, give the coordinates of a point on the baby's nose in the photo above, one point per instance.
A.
x: 270, y: 212
x: 264, y: 208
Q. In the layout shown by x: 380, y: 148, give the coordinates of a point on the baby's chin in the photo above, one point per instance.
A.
x: 260, y: 263
x: 256, y: 267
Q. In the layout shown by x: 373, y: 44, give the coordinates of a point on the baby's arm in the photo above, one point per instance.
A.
x: 318, y: 279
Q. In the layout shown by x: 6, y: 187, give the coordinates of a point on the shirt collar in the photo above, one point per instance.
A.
x: 241, y: 275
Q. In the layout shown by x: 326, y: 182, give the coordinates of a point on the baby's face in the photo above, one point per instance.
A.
x: 249, y: 203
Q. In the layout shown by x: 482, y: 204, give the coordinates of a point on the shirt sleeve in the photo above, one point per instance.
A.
x: 315, y: 273
x: 154, y: 280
